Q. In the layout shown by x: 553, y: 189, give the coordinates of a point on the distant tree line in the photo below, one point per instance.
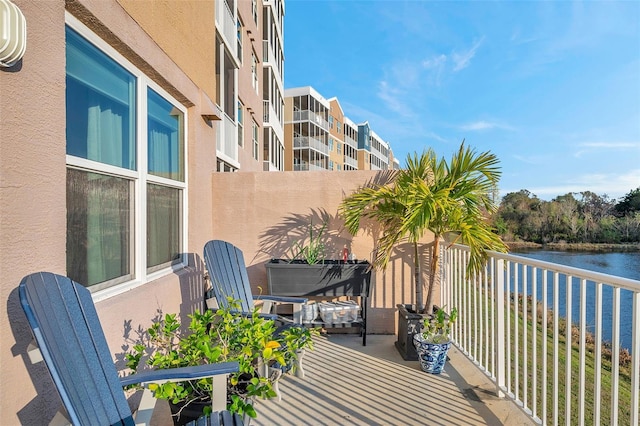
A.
x: 582, y: 217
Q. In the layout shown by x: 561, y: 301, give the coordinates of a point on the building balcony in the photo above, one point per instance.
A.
x: 351, y: 161
x: 306, y: 167
x: 307, y: 115
x: 495, y: 373
x: 310, y: 142
x: 227, y: 141
x: 269, y: 59
x: 227, y: 26
x: 348, y: 140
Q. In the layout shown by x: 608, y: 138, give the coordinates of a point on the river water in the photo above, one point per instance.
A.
x: 622, y: 264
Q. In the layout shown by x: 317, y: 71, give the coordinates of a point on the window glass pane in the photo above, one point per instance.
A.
x: 100, y: 105
x: 164, y: 225
x: 99, y: 209
x: 165, y: 140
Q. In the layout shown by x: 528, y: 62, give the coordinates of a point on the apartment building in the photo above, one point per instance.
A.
x: 249, y: 73
x: 273, y: 85
x: 336, y: 135
x: 319, y: 136
x: 306, y: 130
x: 350, y: 147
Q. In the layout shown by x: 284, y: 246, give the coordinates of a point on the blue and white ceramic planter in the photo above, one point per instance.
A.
x: 432, y: 356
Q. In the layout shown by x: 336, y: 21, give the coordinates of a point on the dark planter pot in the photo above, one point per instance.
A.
x: 188, y: 413
x: 330, y: 278
x: 432, y: 356
x: 409, y: 323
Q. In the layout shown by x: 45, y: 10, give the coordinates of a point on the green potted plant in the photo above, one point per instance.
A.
x: 211, y: 337
x: 433, y: 343
x: 433, y: 195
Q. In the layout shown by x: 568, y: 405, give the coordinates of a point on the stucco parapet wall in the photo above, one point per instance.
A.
x: 110, y: 21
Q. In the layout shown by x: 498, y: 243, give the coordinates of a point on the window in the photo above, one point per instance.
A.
x: 330, y: 144
x: 338, y: 126
x: 254, y: 71
x: 256, y: 142
x: 240, y: 124
x: 330, y: 164
x: 331, y: 121
x: 254, y: 10
x: 125, y: 168
x: 338, y: 147
x: 239, y: 30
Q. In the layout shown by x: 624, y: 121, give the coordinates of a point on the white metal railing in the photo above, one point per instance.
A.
x: 512, y: 324
x: 350, y: 161
x: 350, y: 141
x: 310, y: 142
x: 301, y: 167
x: 226, y: 24
x: 308, y: 115
x: 230, y: 138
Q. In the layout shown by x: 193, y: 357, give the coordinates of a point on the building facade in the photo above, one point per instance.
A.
x: 319, y: 136
x: 115, y: 124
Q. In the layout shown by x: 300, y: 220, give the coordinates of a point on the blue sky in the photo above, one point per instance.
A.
x: 552, y: 88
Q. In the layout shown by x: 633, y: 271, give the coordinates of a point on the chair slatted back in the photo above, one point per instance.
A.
x: 228, y: 274
x: 67, y: 329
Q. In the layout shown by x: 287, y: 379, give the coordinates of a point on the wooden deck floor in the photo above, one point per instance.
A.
x: 348, y: 384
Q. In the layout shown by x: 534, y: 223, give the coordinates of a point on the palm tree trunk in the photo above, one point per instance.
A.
x: 418, y: 277
x: 433, y: 271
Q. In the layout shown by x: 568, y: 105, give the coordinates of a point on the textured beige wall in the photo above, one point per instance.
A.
x: 185, y: 31
x: 252, y: 100
x: 264, y: 213
x: 32, y: 198
x: 33, y: 188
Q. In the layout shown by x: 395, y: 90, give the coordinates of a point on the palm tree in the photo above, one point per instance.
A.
x: 431, y: 195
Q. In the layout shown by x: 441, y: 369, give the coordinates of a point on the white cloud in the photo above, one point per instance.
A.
x: 484, y: 125
x: 436, y: 68
x: 462, y: 60
x: 606, y: 146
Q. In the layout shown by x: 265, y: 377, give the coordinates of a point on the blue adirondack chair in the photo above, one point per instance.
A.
x: 228, y: 275
x: 71, y: 342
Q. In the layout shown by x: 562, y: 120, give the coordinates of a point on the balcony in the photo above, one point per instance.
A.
x: 226, y: 25
x: 307, y: 115
x: 310, y: 142
x: 269, y: 59
x: 306, y: 167
x: 351, y: 161
x: 227, y: 141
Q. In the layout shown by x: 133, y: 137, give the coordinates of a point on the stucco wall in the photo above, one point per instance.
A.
x: 33, y: 190
x: 32, y: 197
x: 184, y: 30
x: 264, y: 213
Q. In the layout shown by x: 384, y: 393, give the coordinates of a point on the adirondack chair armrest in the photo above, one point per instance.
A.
x: 261, y: 315
x: 282, y: 299
x: 180, y: 374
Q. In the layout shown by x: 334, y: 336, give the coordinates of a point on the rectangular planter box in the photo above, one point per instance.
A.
x: 332, y: 278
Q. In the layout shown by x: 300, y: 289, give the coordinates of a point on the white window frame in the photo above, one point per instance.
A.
x: 240, y: 119
x: 255, y: 137
x: 141, y: 178
x: 254, y: 71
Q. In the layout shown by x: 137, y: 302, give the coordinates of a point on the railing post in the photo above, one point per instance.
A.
x: 499, y: 328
